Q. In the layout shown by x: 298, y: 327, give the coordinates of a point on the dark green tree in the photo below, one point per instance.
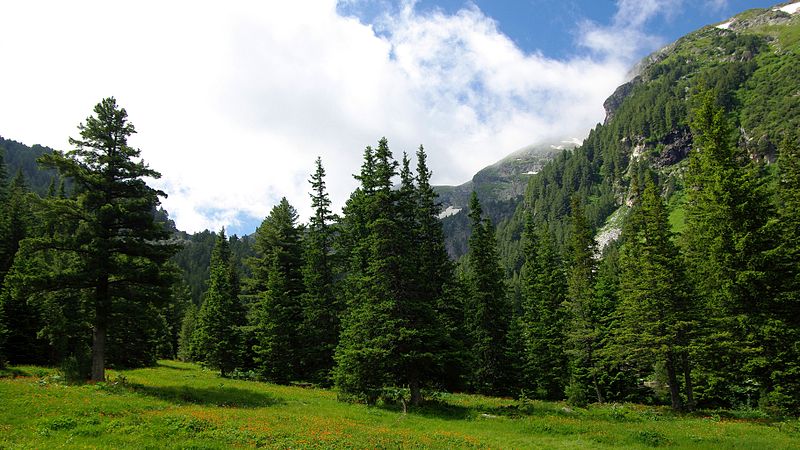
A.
x: 783, y: 325
x: 655, y: 314
x: 218, y: 335
x: 488, y: 314
x: 366, y: 356
x: 724, y: 244
x: 186, y: 347
x: 544, y: 289
x: 117, y: 249
x: 321, y: 306
x: 584, y: 327
x: 278, y: 313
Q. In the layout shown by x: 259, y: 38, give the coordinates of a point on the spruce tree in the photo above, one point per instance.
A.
x: 544, y: 289
x: 366, y: 355
x: 655, y: 320
x: 784, y: 323
x: 218, y: 336
x: 488, y: 314
x: 278, y: 313
x: 584, y: 332
x: 186, y: 347
x: 321, y: 306
x: 117, y: 249
x: 724, y: 245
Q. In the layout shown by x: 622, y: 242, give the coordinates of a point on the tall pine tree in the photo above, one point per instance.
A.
x: 321, y: 306
x: 544, y: 291
x: 584, y: 317
x: 488, y: 315
x: 117, y: 250
x: 218, y: 331
x: 278, y: 315
x: 656, y: 317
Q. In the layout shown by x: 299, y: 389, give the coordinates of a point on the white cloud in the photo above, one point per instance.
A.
x: 234, y: 103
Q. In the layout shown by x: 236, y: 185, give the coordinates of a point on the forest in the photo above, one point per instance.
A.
x: 657, y: 263
x: 369, y: 302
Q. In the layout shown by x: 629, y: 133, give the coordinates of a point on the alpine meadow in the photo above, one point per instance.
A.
x: 636, y: 288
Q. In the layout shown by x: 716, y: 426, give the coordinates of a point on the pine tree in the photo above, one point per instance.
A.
x: 584, y: 328
x: 488, y: 314
x: 724, y: 244
x: 186, y: 348
x: 544, y: 291
x: 217, y: 336
x: 321, y: 307
x: 117, y: 249
x: 784, y: 324
x: 278, y: 312
x: 655, y: 312
x: 366, y: 360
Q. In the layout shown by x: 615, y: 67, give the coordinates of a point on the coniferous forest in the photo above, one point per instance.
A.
x: 695, y: 305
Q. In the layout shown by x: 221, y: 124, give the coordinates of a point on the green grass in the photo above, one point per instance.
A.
x: 177, y: 405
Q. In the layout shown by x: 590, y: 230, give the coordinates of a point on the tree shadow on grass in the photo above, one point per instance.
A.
x: 168, y: 365
x: 213, y: 396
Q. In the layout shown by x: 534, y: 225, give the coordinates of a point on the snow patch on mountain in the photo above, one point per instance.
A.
x: 792, y: 8
x: 725, y: 26
x: 450, y: 211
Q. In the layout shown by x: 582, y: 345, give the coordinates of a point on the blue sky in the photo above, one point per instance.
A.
x: 234, y: 103
x: 550, y: 26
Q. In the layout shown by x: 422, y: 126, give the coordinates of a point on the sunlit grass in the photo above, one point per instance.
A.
x: 178, y: 405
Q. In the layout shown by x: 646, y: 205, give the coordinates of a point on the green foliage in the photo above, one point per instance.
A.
x: 103, y: 248
x: 217, y: 338
x: 487, y: 311
x: 392, y: 333
x: 321, y: 305
x: 278, y: 314
x: 655, y: 317
x: 543, y: 317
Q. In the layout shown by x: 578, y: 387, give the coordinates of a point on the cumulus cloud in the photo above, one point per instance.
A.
x: 234, y: 103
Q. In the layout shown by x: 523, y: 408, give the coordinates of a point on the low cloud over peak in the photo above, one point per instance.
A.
x: 233, y: 105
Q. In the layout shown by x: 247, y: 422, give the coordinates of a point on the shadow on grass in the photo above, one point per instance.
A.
x: 213, y: 396
x: 167, y: 365
x: 13, y: 372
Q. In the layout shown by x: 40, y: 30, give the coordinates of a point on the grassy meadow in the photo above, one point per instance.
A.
x: 177, y: 405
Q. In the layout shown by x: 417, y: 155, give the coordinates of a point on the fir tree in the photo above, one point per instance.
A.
x: 217, y: 335
x: 544, y: 289
x: 117, y: 250
x: 278, y: 312
x: 584, y: 327
x: 186, y: 347
x: 655, y: 313
x: 321, y: 308
x: 366, y: 354
x: 724, y: 244
x: 488, y: 314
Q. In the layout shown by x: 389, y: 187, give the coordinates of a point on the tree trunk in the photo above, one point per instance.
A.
x: 687, y: 382
x: 674, y: 389
x: 99, y: 352
x: 597, y: 391
x: 416, y: 393
x: 101, y: 313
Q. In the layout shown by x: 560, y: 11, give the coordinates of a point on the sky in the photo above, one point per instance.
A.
x: 233, y: 101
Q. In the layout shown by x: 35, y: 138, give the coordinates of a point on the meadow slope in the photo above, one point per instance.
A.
x: 178, y: 405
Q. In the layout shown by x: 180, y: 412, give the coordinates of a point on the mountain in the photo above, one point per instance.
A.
x: 18, y: 156
x: 500, y: 187
x: 751, y: 60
